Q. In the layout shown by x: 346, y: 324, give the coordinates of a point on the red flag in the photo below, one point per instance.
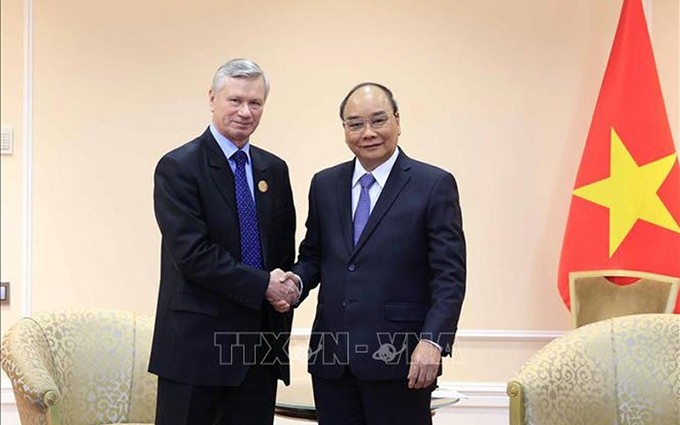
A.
x: 625, y: 208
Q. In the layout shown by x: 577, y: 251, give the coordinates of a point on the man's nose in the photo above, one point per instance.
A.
x: 245, y: 111
x: 368, y: 131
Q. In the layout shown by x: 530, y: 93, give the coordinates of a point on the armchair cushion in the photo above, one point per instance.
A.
x: 622, y: 371
x: 81, y: 366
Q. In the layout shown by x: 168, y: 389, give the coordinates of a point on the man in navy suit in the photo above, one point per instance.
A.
x: 385, y: 242
x: 226, y: 215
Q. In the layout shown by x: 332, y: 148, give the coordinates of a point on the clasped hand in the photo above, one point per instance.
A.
x: 283, y: 290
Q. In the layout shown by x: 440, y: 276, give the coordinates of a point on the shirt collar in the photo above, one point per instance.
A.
x: 227, y: 146
x: 380, y: 173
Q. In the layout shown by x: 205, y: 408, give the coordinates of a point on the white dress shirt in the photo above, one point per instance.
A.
x: 380, y: 174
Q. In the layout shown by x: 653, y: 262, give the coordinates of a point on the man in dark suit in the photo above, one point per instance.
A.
x: 226, y: 215
x: 384, y: 238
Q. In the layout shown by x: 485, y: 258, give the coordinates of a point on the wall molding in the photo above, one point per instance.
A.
x: 507, y: 335
x: 27, y: 201
x: 480, y: 335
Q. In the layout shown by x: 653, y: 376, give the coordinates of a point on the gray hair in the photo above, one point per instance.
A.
x: 239, y: 68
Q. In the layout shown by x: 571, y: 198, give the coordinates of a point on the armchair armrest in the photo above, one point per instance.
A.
x: 27, y: 360
x: 516, y: 395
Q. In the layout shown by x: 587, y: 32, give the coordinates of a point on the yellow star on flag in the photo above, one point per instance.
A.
x: 630, y: 193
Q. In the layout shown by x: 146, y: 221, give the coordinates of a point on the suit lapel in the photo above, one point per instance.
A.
x: 395, y: 183
x: 344, y: 204
x: 263, y: 197
x: 219, y: 170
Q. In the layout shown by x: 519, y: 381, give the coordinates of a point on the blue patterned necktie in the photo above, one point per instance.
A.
x: 251, y: 252
x: 364, y: 206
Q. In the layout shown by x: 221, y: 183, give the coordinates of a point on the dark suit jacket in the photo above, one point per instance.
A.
x: 210, y: 306
x: 404, y: 280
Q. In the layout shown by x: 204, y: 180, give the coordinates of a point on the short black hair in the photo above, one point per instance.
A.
x: 387, y: 91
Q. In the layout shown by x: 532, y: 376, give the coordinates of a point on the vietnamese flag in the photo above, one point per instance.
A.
x: 625, y: 208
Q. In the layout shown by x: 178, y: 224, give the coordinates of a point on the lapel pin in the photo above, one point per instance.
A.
x: 262, y: 186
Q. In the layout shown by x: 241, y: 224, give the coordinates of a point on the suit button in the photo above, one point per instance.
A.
x: 344, y: 303
x: 351, y: 267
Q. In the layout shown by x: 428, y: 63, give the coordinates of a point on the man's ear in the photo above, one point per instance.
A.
x: 211, y: 100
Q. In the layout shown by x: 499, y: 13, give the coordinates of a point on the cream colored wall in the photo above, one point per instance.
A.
x: 11, y: 166
x: 499, y: 92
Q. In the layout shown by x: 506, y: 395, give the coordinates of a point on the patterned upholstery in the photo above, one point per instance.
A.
x: 80, y: 366
x: 620, y: 371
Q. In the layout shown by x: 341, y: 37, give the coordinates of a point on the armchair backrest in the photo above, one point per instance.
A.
x: 623, y: 371
x: 92, y: 364
x: 594, y: 297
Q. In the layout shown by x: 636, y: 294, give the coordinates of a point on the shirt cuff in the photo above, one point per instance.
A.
x: 439, y: 347
x: 300, y: 287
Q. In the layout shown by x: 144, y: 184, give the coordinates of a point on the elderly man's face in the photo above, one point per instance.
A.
x: 372, y: 146
x: 237, y: 108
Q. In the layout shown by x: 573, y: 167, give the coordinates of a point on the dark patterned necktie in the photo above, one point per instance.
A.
x: 364, y: 206
x: 251, y: 252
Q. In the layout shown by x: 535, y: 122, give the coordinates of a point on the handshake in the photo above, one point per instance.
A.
x: 283, y: 290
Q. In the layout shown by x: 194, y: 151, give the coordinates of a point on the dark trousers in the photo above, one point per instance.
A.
x: 251, y: 403
x: 351, y: 401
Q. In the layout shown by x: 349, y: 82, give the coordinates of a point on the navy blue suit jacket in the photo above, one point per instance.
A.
x: 210, y: 306
x: 404, y: 280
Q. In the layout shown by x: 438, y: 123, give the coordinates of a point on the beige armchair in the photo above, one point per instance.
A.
x: 620, y: 371
x: 80, y: 366
x: 594, y: 297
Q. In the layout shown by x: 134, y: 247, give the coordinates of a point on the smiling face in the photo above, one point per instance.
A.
x: 372, y: 146
x: 237, y: 107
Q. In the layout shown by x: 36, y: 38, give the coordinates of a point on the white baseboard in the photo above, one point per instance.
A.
x: 6, y: 393
x: 480, y: 395
x: 477, y: 395
x: 481, y: 404
x: 9, y: 415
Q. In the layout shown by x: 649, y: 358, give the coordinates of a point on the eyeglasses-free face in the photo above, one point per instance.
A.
x: 371, y: 126
x: 237, y: 107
